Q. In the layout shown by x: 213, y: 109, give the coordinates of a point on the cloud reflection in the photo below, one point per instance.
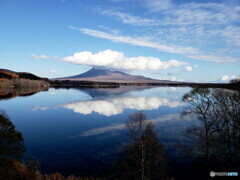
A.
x: 121, y: 126
x: 114, y: 106
x: 42, y: 108
x: 102, y: 130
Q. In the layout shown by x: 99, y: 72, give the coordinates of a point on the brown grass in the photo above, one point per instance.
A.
x: 14, y: 75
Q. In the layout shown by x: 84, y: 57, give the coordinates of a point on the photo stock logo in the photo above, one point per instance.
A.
x: 212, y: 173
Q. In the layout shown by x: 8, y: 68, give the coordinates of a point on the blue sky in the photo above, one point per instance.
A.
x: 163, y: 39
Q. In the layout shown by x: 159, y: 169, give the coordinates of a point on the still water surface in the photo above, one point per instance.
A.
x: 81, y: 131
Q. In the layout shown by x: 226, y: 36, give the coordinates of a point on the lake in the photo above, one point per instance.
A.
x: 81, y: 131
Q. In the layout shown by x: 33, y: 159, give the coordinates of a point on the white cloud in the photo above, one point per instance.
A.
x: 158, y: 5
x: 200, y: 25
x: 229, y: 78
x: 187, y: 51
x: 184, y: 14
x: 72, y: 27
x: 117, y: 60
x: 188, y: 68
x: 114, y: 31
x: 237, y: 8
x: 173, y: 78
x: 33, y: 56
x: 186, y: 22
x: 214, y: 58
x: 114, y: 106
x: 194, y: 13
x: 53, y: 72
x: 129, y: 19
x: 231, y: 33
x: 139, y: 41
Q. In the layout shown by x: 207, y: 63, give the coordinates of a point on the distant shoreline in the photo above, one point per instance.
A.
x: 101, y: 84
x: 14, y: 80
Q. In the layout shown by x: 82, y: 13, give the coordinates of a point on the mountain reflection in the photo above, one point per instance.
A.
x: 109, y: 102
x: 116, y: 105
x: 105, y: 92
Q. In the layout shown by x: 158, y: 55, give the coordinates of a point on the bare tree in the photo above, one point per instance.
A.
x: 143, y: 158
x: 218, y: 135
x: 199, y: 101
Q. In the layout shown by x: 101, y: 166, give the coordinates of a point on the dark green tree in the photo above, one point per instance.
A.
x: 11, y: 141
x: 11, y: 149
x: 235, y: 83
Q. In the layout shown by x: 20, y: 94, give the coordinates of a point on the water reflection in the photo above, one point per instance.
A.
x: 11, y: 149
x: 9, y: 93
x: 144, y: 156
x: 109, y: 102
x: 106, y: 92
x: 120, y: 126
x: 116, y: 105
x: 82, y: 131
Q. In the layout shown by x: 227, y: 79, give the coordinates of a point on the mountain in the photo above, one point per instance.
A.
x: 96, y: 73
x: 103, y: 75
x: 8, y: 74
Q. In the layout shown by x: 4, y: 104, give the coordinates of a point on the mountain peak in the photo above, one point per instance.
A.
x: 106, y: 75
x: 92, y: 69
